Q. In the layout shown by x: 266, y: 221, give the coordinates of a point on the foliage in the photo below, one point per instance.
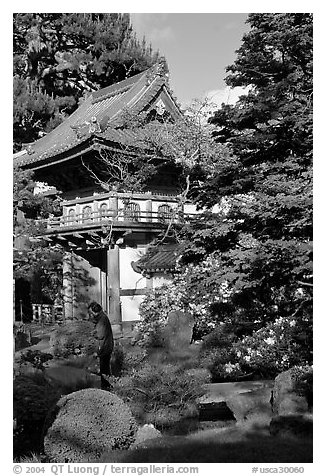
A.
x: 86, y: 423
x: 276, y: 347
x: 154, y: 311
x: 303, y: 377
x: 170, y: 146
x: 33, y: 458
x: 33, y: 397
x: 58, y: 57
x: 274, y: 121
x: 22, y: 338
x: 191, y: 290
x: 220, y: 337
x: 161, y: 394
x: 34, y: 259
x: 264, y: 353
x: 258, y: 235
x: 73, y: 338
x: 36, y: 358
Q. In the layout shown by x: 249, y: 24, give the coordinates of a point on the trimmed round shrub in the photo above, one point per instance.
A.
x: 74, y: 338
x: 87, y: 423
x: 33, y: 397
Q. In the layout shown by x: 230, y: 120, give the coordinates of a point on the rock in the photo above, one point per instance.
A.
x: 292, y: 425
x: 285, y: 397
x: 145, y: 433
x: 215, y: 411
x: 177, y: 333
x: 235, y: 400
x: 248, y: 404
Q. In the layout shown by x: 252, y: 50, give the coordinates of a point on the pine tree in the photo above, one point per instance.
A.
x: 264, y: 243
x: 60, y: 57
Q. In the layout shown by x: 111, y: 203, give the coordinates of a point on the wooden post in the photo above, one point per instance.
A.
x: 95, y: 214
x: 113, y: 205
x: 149, y: 210
x: 67, y: 289
x: 113, y: 276
x: 103, y: 282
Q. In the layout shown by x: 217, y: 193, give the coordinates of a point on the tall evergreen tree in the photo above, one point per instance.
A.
x: 58, y: 57
x: 263, y: 245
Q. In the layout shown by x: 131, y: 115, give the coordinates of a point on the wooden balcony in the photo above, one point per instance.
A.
x: 91, y: 219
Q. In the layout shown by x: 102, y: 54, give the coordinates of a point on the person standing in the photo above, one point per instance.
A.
x: 104, y: 335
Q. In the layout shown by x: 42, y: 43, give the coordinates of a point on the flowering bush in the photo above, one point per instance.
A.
x: 185, y: 293
x: 222, y: 364
x: 276, y: 347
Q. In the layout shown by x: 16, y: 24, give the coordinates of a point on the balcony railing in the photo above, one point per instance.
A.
x: 136, y: 209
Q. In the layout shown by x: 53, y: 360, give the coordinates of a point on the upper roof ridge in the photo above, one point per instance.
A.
x: 158, y: 69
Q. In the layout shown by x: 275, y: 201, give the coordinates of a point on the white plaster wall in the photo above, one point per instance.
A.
x: 129, y: 279
x: 130, y: 307
x: 190, y: 208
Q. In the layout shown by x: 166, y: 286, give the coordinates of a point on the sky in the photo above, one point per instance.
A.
x: 197, y: 47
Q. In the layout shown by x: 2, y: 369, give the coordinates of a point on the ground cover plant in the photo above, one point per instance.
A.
x: 161, y: 393
x: 74, y: 338
x: 248, y: 442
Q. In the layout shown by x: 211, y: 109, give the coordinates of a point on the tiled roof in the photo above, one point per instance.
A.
x: 163, y: 258
x: 99, y: 116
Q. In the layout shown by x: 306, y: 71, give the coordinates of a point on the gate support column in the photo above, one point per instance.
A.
x: 113, y: 277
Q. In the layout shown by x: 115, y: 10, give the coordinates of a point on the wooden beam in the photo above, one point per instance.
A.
x: 133, y: 292
x: 46, y: 238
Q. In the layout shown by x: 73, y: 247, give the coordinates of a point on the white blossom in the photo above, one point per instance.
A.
x: 269, y: 341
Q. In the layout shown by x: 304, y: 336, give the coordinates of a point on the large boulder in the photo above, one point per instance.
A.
x: 144, y: 434
x: 287, y: 397
x: 87, y: 423
x: 251, y: 404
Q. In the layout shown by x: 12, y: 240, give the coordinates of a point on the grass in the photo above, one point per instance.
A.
x: 248, y: 442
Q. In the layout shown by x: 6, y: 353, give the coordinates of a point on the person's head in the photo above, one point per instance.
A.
x: 93, y: 310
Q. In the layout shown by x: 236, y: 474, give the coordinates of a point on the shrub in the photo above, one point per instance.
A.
x: 36, y: 358
x: 74, y: 338
x: 221, y: 336
x: 303, y: 382
x: 117, y: 359
x: 222, y: 364
x: 161, y: 394
x: 278, y: 346
x: 274, y: 348
x: 154, y: 311
x: 86, y: 423
x: 33, y: 396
